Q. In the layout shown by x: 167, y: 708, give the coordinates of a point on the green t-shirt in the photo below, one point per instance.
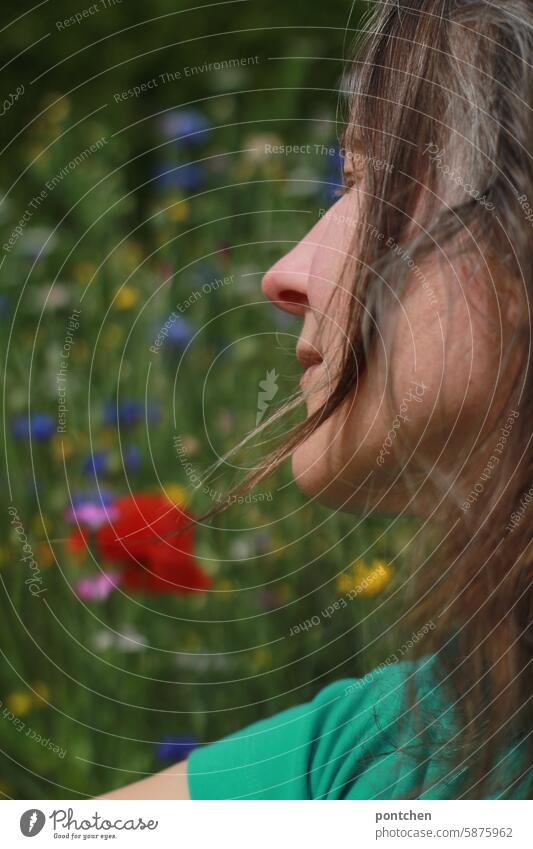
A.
x: 357, y: 739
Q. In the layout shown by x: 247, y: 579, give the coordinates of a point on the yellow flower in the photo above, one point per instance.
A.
x: 125, y: 298
x: 226, y: 588
x: 261, y: 658
x: 192, y: 641
x: 177, y: 494
x: 58, y: 111
x: 373, y: 579
x: 108, y: 439
x: 61, y: 446
x: 284, y: 593
x: 36, y: 152
x: 42, y: 693
x: 365, y: 580
x: 80, y: 351
x: 19, y: 702
x: 344, y: 583
x: 178, y: 210
x: 113, y: 335
x: 133, y: 253
x: 83, y: 272
x: 42, y: 526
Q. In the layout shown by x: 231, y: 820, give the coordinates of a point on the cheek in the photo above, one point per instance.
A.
x: 440, y: 361
x: 450, y: 345
x: 327, y: 293
x: 433, y: 378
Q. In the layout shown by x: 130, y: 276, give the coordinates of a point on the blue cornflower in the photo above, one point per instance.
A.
x: 132, y: 458
x: 39, y: 426
x: 96, y: 496
x: 187, y: 125
x: 175, y: 748
x: 180, y: 332
x: 96, y: 464
x: 187, y: 176
x: 129, y: 412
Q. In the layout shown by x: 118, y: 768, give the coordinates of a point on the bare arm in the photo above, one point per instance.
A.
x: 171, y: 783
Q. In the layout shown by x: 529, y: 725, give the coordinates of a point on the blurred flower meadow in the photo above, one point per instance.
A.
x: 135, y: 339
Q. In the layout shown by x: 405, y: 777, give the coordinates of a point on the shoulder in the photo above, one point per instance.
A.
x: 349, y: 741
x: 378, y: 736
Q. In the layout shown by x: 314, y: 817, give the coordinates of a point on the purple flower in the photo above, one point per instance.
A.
x: 180, y: 332
x: 132, y: 458
x: 99, y: 587
x: 175, y: 748
x: 96, y: 464
x: 40, y: 426
x: 190, y: 123
x: 96, y: 496
x: 130, y: 412
x: 187, y: 176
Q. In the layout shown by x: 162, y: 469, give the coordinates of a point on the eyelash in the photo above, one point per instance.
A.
x: 349, y: 183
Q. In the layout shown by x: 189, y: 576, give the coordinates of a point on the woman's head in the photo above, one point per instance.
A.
x: 415, y: 290
x: 411, y: 287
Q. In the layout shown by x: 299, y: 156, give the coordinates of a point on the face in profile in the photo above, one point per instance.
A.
x: 427, y: 390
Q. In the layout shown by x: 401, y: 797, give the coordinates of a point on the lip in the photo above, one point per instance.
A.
x: 309, y: 358
x: 308, y: 372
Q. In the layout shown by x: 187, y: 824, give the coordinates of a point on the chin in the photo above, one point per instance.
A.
x: 316, y: 480
x: 318, y: 476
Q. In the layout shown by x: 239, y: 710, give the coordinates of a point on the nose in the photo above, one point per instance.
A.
x: 285, y: 284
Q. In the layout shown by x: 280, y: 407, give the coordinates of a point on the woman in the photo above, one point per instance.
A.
x: 415, y: 291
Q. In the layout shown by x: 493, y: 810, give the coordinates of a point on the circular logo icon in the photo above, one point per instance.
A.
x: 32, y: 822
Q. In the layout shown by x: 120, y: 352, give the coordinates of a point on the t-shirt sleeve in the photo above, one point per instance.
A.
x: 344, y: 743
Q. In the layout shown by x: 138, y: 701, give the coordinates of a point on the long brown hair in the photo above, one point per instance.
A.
x: 454, y: 76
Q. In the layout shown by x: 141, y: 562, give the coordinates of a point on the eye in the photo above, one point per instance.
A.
x: 354, y: 164
x: 350, y: 180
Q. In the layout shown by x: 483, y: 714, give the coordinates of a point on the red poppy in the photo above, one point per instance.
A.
x: 77, y: 541
x: 149, y: 539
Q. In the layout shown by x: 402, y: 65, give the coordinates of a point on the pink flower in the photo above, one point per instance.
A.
x: 91, y: 515
x: 99, y: 587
